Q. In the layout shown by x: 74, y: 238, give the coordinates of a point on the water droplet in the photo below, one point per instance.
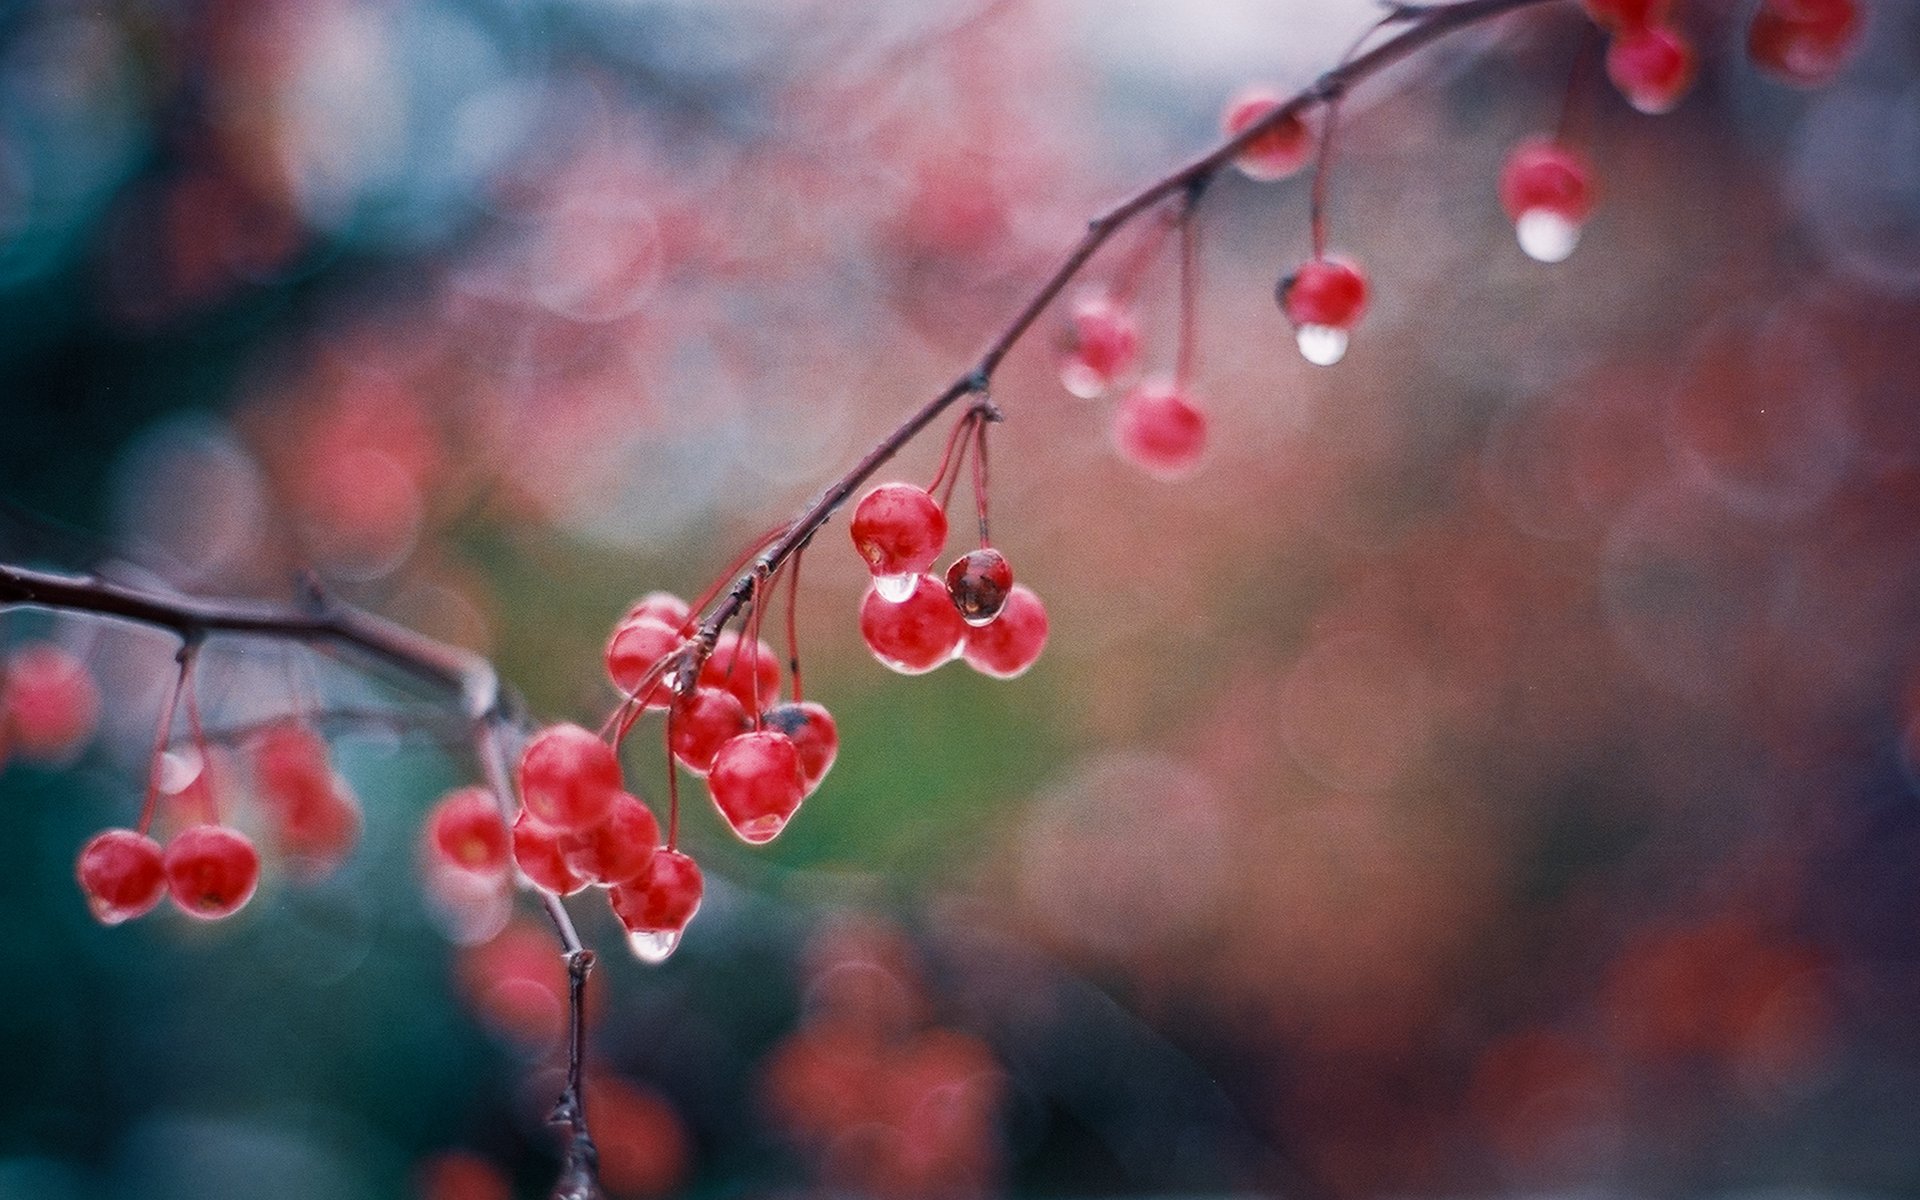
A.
x: 178, y: 770
x: 758, y: 831
x: 895, y: 588
x: 977, y: 619
x: 1082, y: 380
x: 654, y: 946
x: 1321, y: 345
x: 1545, y: 235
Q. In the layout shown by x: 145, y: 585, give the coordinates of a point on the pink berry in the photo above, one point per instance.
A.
x: 121, y: 875
x: 1276, y: 153
x: 1100, y: 343
x: 663, y: 899
x: 48, y: 701
x: 1547, y: 190
x: 978, y: 582
x: 316, y: 817
x: 618, y: 848
x: 917, y: 634
x: 638, y: 646
x: 537, y: 850
x: 664, y: 607
x: 467, y: 831
x: 211, y: 871
x: 814, y: 735
x: 756, y: 783
x: 704, y: 722
x: 568, y: 777
x: 750, y: 670
x: 1159, y: 429
x: 1012, y: 643
x: 1652, y: 67
x: 1325, y: 291
x: 898, y: 529
x: 1804, y: 42
x: 1617, y: 15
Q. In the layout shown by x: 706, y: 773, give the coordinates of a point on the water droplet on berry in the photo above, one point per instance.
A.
x: 1321, y: 345
x: 895, y: 588
x: 1545, y: 235
x: 654, y: 946
x: 178, y: 770
x: 1082, y: 380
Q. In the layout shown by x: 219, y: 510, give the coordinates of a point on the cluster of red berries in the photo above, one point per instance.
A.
x: 210, y: 870
x: 1158, y: 426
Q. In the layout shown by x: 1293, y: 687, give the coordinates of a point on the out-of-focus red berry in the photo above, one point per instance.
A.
x: 642, y: 1142
x: 48, y: 701
x: 457, y: 1175
x: 1099, y: 345
x: 1804, y: 42
x: 1278, y: 152
x: 1325, y: 291
x: 1653, y: 67
x: 1159, y: 429
x: 1626, y: 15
x: 467, y: 831
x: 664, y: 607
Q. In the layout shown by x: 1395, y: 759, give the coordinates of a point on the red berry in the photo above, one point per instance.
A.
x: 656, y: 907
x: 1618, y: 15
x: 1159, y: 429
x: 467, y: 831
x: 1100, y: 344
x: 1804, y: 42
x: 1278, y: 152
x: 120, y: 873
x: 289, y: 757
x: 750, y: 671
x: 704, y: 722
x: 664, y: 607
x: 1012, y: 643
x: 316, y: 817
x: 537, y: 849
x: 814, y: 736
x: 1547, y: 190
x: 638, y: 646
x: 211, y: 871
x: 1652, y: 67
x: 1325, y: 291
x: 898, y: 529
x: 756, y: 782
x: 917, y: 634
x: 568, y: 777
x: 618, y: 848
x: 48, y: 701
x: 978, y: 583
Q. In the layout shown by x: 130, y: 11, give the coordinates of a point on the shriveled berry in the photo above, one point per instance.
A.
x: 657, y: 906
x: 917, y: 634
x: 664, y: 607
x: 1652, y: 67
x: 467, y: 831
x: 1013, y: 643
x: 1804, y: 42
x: 756, y: 782
x: 537, y: 850
x: 121, y: 875
x: 48, y: 701
x: 568, y: 777
x: 1547, y: 190
x: 704, y: 722
x: 637, y: 647
x: 211, y: 871
x: 814, y: 735
x: 748, y: 668
x: 1276, y: 153
x: 978, y: 582
x: 618, y: 848
x: 898, y: 529
x: 1099, y: 344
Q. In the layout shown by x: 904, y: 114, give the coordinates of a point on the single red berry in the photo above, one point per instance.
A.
x: 1804, y: 42
x: 467, y: 831
x: 978, y: 582
x: 898, y: 529
x: 1099, y: 344
x: 618, y: 848
x: 1547, y: 190
x: 664, y: 607
x: 1652, y: 67
x: 638, y: 646
x: 1626, y: 15
x: 657, y: 906
x: 1159, y: 429
x: 48, y: 701
x: 916, y: 635
x: 1012, y: 643
x: 748, y: 669
x: 814, y: 735
x: 315, y: 816
x: 704, y: 722
x: 121, y: 875
x: 1325, y: 291
x: 289, y: 757
x: 1276, y: 153
x: 756, y: 783
x: 537, y: 850
x: 568, y: 777
x: 211, y: 871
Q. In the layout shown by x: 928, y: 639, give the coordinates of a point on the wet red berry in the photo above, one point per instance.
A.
x: 1325, y: 291
x: 211, y: 870
x: 1099, y: 345
x: 756, y: 782
x: 618, y: 848
x: 1012, y: 643
x: 1278, y: 152
x: 1652, y: 67
x: 978, y: 583
x: 814, y: 735
x: 568, y: 777
x: 898, y: 529
x: 467, y: 831
x: 637, y: 647
x: 538, y: 852
x: 664, y: 607
x: 48, y: 701
x: 748, y: 668
x: 121, y: 875
x: 917, y: 634
x: 656, y: 907
x: 1159, y: 429
x: 702, y: 723
x: 1804, y: 42
x: 1547, y: 190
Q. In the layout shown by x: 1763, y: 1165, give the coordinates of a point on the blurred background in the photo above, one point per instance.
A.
x: 1494, y: 773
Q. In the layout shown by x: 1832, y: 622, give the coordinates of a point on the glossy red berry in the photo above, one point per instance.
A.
x: 664, y: 607
x: 1012, y: 643
x: 814, y: 735
x: 1547, y: 190
x: 211, y: 871
x: 1276, y: 153
x: 704, y: 722
x: 1099, y: 345
x: 916, y: 635
x: 898, y: 529
x: 1160, y: 429
x: 748, y: 668
x: 1804, y: 42
x: 568, y: 777
x: 1652, y: 67
x: 756, y: 783
x: 121, y: 875
x: 467, y: 831
x: 618, y: 848
x: 978, y: 583
x: 637, y: 647
x: 1627, y: 15
x: 656, y: 907
x: 538, y: 852
x: 1324, y: 299
x: 48, y: 701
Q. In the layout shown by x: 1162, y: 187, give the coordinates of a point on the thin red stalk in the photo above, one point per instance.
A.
x: 793, y: 624
x: 1133, y: 269
x: 161, y: 737
x: 739, y: 563
x: 960, y: 461
x: 1322, y: 168
x: 673, y: 788
x: 762, y: 592
x: 980, y: 479
x: 199, y: 732
x: 1187, y: 346
x: 946, y: 455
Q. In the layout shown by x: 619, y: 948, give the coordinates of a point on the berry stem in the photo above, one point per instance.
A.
x: 673, y: 788
x: 793, y: 624
x: 188, y: 655
x: 1133, y: 268
x: 1188, y: 337
x: 980, y: 477
x: 162, y: 736
x: 946, y: 455
x: 1323, y: 167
